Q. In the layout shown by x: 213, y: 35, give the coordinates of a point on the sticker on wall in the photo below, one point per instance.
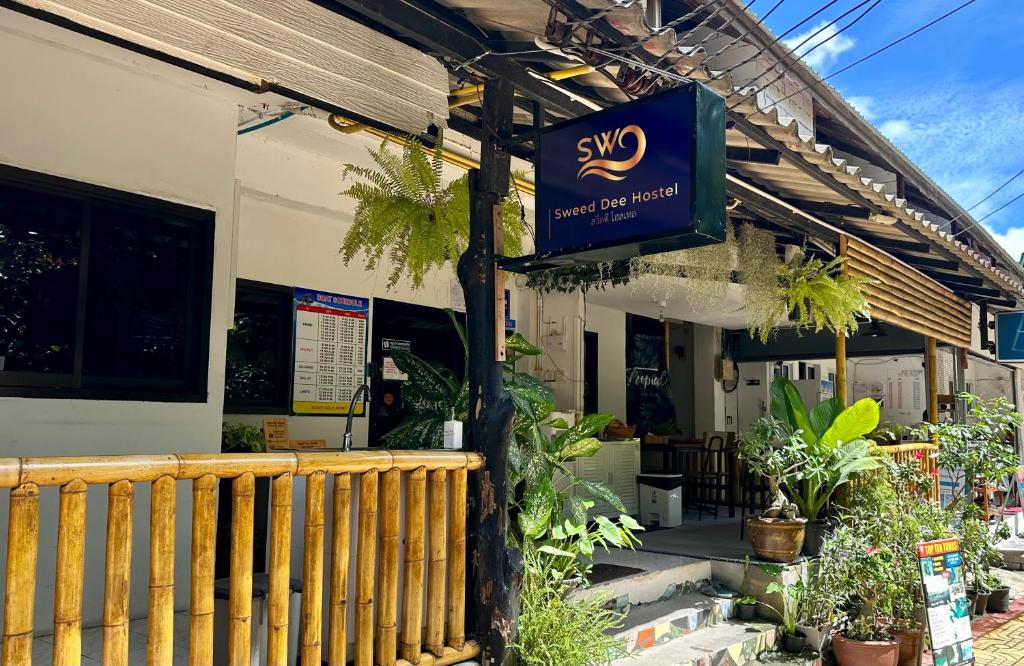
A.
x: 330, y: 352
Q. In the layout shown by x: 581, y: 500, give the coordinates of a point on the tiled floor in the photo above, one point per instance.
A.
x: 92, y: 644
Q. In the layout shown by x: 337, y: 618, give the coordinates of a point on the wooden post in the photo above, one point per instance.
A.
x: 163, y: 496
x: 70, y: 576
x: 22, y: 554
x: 337, y: 641
x: 412, y: 590
x: 313, y: 570
x: 457, y: 560
x: 438, y: 563
x: 117, y: 582
x: 366, y: 559
x: 387, y: 577
x: 841, y: 386
x: 497, y: 569
x: 204, y: 535
x: 931, y: 365
x: 243, y: 499
x: 279, y: 579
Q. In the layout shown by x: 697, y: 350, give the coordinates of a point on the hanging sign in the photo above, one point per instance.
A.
x: 949, y: 610
x: 330, y: 352
x: 637, y: 178
x: 1010, y: 337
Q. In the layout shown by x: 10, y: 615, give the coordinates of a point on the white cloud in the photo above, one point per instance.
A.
x: 824, y: 48
x: 1012, y: 240
x: 863, y: 104
x: 896, y: 129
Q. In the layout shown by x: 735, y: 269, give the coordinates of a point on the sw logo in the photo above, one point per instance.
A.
x: 605, y: 144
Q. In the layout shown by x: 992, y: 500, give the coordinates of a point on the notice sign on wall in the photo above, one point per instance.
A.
x: 330, y: 352
x: 949, y: 612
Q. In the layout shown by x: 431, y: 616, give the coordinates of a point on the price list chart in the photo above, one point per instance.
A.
x: 330, y: 352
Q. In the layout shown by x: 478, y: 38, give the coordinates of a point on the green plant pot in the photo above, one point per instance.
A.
x: 814, y: 536
x: 999, y: 600
x: 793, y: 644
x: 746, y: 612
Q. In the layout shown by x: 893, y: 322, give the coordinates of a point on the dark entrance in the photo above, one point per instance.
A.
x: 426, y: 332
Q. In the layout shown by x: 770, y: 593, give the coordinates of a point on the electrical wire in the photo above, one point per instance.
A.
x: 990, y: 195
x: 823, y: 28
x: 738, y: 37
x: 980, y: 220
x: 872, y: 54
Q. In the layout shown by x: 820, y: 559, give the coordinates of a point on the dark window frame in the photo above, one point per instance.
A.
x: 201, y: 223
x: 286, y: 328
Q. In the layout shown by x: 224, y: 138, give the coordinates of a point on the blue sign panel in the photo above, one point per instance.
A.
x: 646, y: 176
x: 1010, y: 336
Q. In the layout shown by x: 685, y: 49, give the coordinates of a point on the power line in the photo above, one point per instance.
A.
x: 872, y: 54
x: 990, y: 195
x: 738, y: 37
x: 980, y: 220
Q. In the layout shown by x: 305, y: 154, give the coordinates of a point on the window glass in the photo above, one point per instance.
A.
x: 258, y: 348
x: 138, y: 296
x: 40, y: 246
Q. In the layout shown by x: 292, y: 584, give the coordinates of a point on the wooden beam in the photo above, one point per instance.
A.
x: 841, y: 388
x: 931, y: 367
x: 927, y: 262
x: 497, y: 580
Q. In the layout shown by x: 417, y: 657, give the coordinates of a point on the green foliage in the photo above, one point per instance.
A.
x: 816, y: 293
x: 239, y: 437
x: 556, y: 629
x: 567, y: 280
x: 405, y: 212
x: 793, y: 597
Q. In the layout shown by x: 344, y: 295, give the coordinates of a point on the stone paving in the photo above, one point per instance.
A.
x: 998, y: 638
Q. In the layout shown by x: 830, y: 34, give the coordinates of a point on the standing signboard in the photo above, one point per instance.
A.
x: 949, y: 611
x: 330, y: 352
x: 1010, y: 337
x: 636, y: 178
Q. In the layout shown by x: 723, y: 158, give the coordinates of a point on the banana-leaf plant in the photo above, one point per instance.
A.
x: 836, y: 448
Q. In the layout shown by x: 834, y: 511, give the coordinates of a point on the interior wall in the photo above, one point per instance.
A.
x: 610, y: 326
x: 81, y: 109
x: 680, y: 369
x: 709, y: 400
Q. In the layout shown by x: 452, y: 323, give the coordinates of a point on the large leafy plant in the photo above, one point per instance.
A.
x: 406, y: 211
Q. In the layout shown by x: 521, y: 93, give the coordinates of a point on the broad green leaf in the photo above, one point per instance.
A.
x: 584, y: 448
x: 856, y: 421
x: 428, y: 380
x: 517, y: 344
x: 558, y: 552
x: 824, y: 414
x: 788, y: 407
x: 559, y: 423
x: 584, y: 428
x: 540, y: 502
x: 608, y: 531
x: 628, y: 522
x: 774, y: 588
x: 601, y: 492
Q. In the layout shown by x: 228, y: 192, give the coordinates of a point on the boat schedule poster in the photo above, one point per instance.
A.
x: 949, y: 612
x: 330, y: 352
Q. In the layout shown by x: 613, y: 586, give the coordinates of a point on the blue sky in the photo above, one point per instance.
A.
x: 951, y: 98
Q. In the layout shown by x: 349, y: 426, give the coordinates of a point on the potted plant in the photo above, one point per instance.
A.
x: 865, y: 643
x: 240, y: 437
x: 823, y: 601
x: 791, y: 596
x: 769, y: 449
x: 746, y: 605
x: 999, y: 597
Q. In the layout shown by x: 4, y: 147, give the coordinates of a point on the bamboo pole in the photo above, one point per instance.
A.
x: 22, y: 555
x: 243, y: 496
x: 449, y: 656
x: 412, y: 589
x: 457, y: 561
x: 933, y: 380
x: 337, y: 642
x: 366, y: 557
x: 387, y: 582
x: 70, y: 575
x: 160, y: 646
x: 842, y: 389
x: 279, y: 580
x: 204, y: 535
x: 117, y: 582
x: 313, y: 571
x: 438, y: 563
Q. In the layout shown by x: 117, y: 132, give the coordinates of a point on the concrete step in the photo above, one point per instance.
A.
x: 660, y: 577
x: 729, y: 643
x: 647, y: 625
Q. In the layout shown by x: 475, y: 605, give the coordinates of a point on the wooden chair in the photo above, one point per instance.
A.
x: 708, y: 485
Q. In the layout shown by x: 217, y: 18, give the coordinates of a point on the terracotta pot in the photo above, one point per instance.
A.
x: 746, y: 612
x: 865, y: 653
x: 909, y: 641
x: 981, y: 603
x: 793, y: 644
x: 815, y: 534
x: 777, y: 539
x: 999, y: 601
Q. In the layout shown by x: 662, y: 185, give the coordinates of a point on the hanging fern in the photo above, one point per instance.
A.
x: 567, y: 280
x: 406, y: 214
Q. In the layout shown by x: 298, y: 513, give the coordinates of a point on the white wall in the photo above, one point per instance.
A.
x: 610, y: 326
x: 80, y: 109
x: 709, y: 400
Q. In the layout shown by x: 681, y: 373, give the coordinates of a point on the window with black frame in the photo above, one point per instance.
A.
x: 259, y: 350
x: 103, y: 294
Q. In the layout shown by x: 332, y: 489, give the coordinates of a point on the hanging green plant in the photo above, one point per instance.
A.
x: 816, y: 293
x: 406, y: 213
x: 599, y: 276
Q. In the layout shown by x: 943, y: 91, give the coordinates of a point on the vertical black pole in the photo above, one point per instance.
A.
x: 496, y: 569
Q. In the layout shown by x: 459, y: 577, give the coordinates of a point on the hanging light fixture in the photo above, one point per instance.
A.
x: 875, y: 330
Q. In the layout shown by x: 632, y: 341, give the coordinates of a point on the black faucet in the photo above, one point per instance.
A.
x: 346, y: 442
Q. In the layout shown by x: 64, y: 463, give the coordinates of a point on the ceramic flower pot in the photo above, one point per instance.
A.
x: 793, y: 644
x: 814, y: 536
x: 777, y: 539
x: 981, y: 603
x: 746, y: 612
x: 999, y: 600
x: 910, y: 643
x: 849, y: 652
x: 818, y: 638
